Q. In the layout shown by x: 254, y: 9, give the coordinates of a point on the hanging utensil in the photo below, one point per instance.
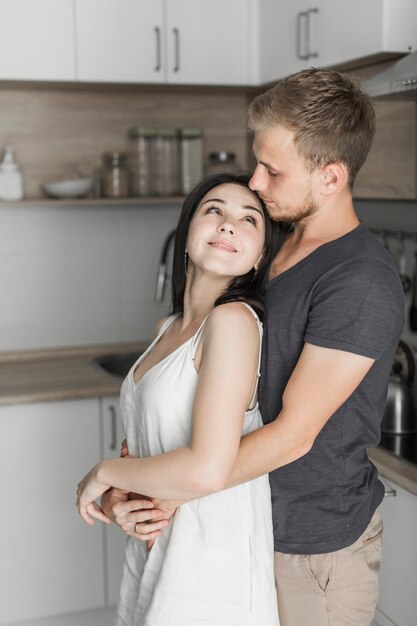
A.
x: 413, y: 308
x: 402, y: 264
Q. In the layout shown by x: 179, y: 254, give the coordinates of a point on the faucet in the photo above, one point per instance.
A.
x: 162, y: 272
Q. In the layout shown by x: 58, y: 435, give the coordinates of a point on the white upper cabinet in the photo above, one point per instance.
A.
x: 120, y: 41
x: 302, y: 33
x: 174, y: 41
x: 282, y: 45
x: 37, y: 40
x: 345, y: 31
x: 209, y: 42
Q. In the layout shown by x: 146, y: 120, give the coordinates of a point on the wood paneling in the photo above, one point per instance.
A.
x: 59, y: 132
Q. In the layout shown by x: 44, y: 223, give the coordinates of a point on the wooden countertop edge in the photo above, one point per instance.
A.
x: 51, y: 354
x: 106, y: 389
x: 399, y: 471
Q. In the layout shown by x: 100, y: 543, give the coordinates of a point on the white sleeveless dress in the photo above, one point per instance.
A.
x: 213, y: 564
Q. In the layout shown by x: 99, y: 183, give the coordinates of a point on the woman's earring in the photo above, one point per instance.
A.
x: 186, y: 261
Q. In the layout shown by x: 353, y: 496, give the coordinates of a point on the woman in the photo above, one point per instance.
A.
x: 185, y: 404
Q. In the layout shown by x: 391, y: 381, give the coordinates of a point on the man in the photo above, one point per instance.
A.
x: 334, y: 316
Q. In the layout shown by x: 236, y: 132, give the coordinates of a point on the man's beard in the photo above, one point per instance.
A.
x: 307, y: 208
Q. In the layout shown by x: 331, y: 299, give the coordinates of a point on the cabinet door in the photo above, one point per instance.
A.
x: 120, y: 42
x: 282, y: 38
x: 397, y: 598
x: 208, y: 42
x: 344, y: 31
x: 37, y: 40
x: 51, y: 561
x: 113, y: 436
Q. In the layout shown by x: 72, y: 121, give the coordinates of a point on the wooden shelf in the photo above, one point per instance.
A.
x: 111, y: 202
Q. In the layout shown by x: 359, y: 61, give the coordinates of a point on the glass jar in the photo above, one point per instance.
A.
x: 165, y: 162
x: 139, y: 160
x: 191, y: 157
x: 223, y: 161
x: 115, y: 176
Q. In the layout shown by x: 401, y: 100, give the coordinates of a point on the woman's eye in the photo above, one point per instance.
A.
x: 213, y: 209
x: 250, y: 219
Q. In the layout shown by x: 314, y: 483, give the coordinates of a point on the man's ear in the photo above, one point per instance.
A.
x: 333, y: 177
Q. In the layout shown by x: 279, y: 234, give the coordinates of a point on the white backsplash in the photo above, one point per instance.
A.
x: 79, y: 275
x: 86, y: 274
x: 394, y: 215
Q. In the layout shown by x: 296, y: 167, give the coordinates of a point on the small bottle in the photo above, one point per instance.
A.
x: 223, y: 161
x: 11, y: 181
x: 115, y: 177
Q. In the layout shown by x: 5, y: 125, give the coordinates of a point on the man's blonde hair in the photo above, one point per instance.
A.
x: 332, y: 119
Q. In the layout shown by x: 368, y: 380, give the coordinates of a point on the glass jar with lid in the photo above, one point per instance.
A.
x: 139, y: 160
x: 191, y: 157
x: 165, y: 162
x: 115, y: 175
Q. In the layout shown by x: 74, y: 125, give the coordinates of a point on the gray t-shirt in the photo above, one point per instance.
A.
x: 345, y: 295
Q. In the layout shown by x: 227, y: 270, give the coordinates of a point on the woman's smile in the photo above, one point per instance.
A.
x: 222, y: 244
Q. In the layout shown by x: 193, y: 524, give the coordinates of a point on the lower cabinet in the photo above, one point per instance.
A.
x: 54, y: 569
x: 50, y: 560
x: 115, y: 539
x: 397, y: 605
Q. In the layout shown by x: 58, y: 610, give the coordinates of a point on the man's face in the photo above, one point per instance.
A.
x: 281, y: 176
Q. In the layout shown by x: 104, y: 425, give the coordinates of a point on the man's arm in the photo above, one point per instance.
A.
x: 321, y: 382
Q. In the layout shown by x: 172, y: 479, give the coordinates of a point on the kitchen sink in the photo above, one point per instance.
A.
x: 117, y: 364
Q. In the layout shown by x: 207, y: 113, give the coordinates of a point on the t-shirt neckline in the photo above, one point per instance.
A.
x: 307, y: 258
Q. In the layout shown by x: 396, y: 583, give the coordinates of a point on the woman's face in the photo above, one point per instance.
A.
x: 227, y: 232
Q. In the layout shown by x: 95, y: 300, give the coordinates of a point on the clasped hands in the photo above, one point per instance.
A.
x: 138, y: 516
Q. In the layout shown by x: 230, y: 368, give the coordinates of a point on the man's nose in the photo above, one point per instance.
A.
x: 257, y: 182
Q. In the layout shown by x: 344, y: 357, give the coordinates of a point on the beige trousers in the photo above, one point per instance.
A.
x: 335, y: 589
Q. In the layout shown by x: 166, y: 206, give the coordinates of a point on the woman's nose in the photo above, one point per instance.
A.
x: 227, y: 227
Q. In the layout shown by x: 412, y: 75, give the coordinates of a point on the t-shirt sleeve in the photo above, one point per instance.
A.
x: 358, y: 307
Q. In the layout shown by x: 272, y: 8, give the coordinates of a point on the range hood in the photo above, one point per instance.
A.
x: 399, y: 80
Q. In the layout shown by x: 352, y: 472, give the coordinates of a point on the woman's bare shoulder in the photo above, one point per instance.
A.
x: 233, y: 317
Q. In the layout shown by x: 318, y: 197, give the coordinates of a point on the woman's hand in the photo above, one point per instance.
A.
x: 89, y: 489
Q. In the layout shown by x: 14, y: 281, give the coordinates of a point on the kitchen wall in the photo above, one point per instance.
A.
x: 79, y: 274
x: 57, y: 131
x: 394, y: 215
x: 86, y: 274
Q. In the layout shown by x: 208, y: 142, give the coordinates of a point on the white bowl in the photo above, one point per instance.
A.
x: 76, y: 188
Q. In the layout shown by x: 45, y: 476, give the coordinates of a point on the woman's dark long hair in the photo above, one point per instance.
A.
x: 244, y: 288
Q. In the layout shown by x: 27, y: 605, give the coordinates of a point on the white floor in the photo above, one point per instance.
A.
x: 98, y: 617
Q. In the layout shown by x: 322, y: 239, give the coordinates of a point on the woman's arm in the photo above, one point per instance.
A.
x: 228, y: 369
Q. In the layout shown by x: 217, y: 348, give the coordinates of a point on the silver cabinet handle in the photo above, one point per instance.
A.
x: 176, y: 33
x: 390, y: 493
x: 302, y: 15
x: 157, y: 32
x: 310, y: 53
x: 113, y: 438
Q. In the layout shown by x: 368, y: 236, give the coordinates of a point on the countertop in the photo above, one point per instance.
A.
x: 59, y: 374
x: 70, y: 373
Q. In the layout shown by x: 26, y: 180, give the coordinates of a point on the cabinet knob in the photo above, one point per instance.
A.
x: 113, y: 435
